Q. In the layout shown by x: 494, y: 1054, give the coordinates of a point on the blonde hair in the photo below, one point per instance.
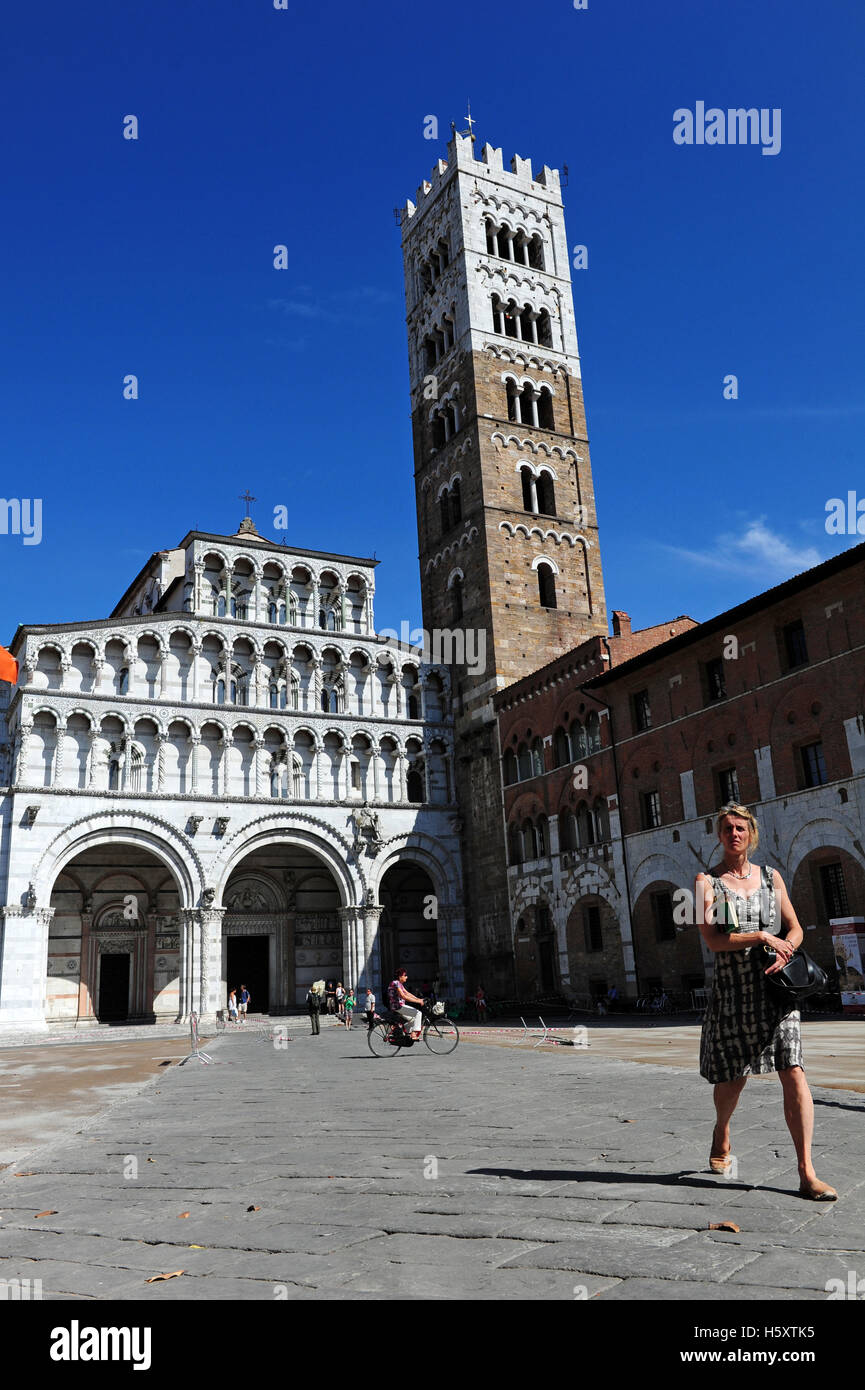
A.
x: 733, y: 809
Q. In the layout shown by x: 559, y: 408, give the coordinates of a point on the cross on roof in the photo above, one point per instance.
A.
x: 247, y: 497
x: 471, y: 122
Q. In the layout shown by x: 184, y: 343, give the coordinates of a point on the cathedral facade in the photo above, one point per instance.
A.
x: 230, y: 780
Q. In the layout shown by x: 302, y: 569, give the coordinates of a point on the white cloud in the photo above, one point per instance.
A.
x: 767, y: 554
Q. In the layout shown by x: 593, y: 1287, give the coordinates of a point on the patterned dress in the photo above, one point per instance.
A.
x: 746, y: 1030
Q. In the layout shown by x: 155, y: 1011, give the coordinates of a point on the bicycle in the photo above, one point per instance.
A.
x: 389, y: 1032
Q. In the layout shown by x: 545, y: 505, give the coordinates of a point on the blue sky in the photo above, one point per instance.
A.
x: 305, y: 127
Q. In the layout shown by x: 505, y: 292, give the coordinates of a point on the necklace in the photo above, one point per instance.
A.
x: 733, y: 874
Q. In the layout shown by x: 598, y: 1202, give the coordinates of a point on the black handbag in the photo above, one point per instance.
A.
x: 799, y: 979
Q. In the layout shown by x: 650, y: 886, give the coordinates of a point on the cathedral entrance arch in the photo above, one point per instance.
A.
x: 282, y: 926
x: 114, y: 941
x: 408, y: 931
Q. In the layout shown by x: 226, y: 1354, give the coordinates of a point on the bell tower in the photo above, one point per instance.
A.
x: 508, y: 540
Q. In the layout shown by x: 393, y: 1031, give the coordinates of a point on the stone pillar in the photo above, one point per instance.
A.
x: 226, y: 743
x: 377, y: 773
x: 369, y: 955
x: 194, y: 740
x: 145, y: 986
x: 188, y: 973
x: 161, y: 741
x: 196, y: 652
x: 316, y: 777
x: 348, y: 919
x: 22, y: 749
x: 163, y: 672
x: 198, y: 588
x: 59, y: 750
x: 401, y: 767
x: 257, y: 756
x: 210, y: 981
x: 315, y: 598
x: 25, y: 963
x: 86, y: 1015
x: 255, y: 615
x: 257, y: 700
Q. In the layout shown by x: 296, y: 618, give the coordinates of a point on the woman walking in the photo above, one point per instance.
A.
x: 747, y: 1029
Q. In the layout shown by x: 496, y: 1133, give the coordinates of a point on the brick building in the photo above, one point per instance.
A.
x: 616, y: 760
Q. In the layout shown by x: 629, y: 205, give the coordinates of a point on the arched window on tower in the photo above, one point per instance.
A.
x: 510, y: 772
x: 546, y: 586
x: 527, y: 478
x: 546, y: 419
x: 456, y: 588
x: 546, y: 494
x: 456, y: 502
x: 445, y: 511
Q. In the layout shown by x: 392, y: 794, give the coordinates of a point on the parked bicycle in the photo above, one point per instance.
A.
x: 389, y: 1032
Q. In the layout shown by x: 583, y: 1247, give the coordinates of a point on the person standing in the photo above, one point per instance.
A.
x: 340, y: 1002
x: 313, y: 1004
x: 350, y: 1002
x: 243, y: 1002
x: 748, y: 1030
x: 369, y: 1005
x: 329, y: 994
x: 232, y: 1007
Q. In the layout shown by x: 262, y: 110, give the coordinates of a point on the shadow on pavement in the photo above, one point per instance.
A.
x: 684, y: 1178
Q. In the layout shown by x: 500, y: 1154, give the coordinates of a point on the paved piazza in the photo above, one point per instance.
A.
x: 315, y: 1171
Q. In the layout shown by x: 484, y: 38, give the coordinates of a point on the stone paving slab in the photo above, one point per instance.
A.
x: 485, y: 1175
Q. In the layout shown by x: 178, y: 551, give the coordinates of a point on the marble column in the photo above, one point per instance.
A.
x: 369, y: 954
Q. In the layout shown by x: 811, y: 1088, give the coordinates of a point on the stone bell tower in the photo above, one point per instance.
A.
x: 508, y: 541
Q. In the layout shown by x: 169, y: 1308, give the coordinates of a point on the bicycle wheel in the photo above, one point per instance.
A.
x: 377, y: 1038
x: 441, y: 1036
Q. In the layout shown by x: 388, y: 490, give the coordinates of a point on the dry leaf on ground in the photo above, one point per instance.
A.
x: 154, y: 1279
x: 44, y: 1213
x: 723, y: 1226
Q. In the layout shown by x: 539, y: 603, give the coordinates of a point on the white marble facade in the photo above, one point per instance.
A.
x: 234, y: 751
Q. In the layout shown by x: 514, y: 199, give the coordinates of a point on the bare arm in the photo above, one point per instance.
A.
x: 793, y: 934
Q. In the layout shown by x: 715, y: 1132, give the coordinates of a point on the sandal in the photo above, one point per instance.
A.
x: 722, y: 1163
x: 816, y: 1191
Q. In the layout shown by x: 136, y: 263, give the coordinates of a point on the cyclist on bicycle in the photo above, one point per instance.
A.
x: 399, y: 998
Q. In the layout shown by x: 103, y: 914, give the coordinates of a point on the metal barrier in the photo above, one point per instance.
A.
x: 529, y: 1033
x: 196, y: 1052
